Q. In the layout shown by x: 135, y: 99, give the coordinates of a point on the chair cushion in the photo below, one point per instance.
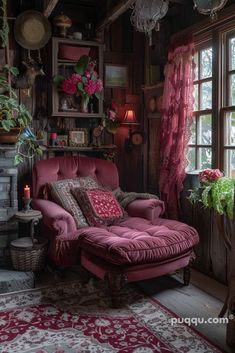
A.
x: 61, y: 194
x: 99, y: 206
x: 138, y: 241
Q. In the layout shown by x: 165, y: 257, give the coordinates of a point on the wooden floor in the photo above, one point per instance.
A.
x: 192, y: 301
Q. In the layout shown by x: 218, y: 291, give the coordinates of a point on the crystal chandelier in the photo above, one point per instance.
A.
x: 209, y: 7
x: 146, y: 15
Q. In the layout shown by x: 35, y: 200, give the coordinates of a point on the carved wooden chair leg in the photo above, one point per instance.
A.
x: 116, y: 281
x: 187, y: 275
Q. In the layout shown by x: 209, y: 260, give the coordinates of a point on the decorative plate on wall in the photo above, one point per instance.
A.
x: 32, y: 30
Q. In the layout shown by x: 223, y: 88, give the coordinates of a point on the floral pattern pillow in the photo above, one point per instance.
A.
x: 99, y: 206
x: 60, y: 192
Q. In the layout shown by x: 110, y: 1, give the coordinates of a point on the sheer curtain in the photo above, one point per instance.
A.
x: 175, y: 124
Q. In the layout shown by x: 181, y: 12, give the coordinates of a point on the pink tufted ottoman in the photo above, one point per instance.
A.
x: 137, y: 249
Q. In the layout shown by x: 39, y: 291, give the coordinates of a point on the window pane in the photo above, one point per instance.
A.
x: 206, y: 95
x: 192, y: 140
x: 204, y: 158
x: 195, y: 96
x: 232, y: 90
x: 205, y: 129
x: 230, y: 163
x: 229, y: 131
x: 196, y: 65
x: 232, y: 53
x: 206, y: 63
x: 191, y: 157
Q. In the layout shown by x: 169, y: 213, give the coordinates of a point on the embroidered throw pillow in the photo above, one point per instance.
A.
x: 60, y: 192
x: 99, y: 206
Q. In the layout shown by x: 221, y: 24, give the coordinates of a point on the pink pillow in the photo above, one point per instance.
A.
x: 99, y: 206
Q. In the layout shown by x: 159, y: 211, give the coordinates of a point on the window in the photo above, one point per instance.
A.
x: 212, y: 143
x: 200, y: 144
x: 228, y: 111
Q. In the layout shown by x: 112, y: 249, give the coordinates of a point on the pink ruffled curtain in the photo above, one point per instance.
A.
x: 175, y: 123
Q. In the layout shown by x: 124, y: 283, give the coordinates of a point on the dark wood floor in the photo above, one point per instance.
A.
x: 192, y: 301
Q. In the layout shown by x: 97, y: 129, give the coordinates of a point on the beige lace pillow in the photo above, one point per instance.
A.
x: 61, y: 194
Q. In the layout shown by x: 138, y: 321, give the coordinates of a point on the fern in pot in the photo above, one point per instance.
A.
x: 215, y: 191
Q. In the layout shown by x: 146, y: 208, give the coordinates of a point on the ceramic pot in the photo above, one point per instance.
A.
x: 9, y: 136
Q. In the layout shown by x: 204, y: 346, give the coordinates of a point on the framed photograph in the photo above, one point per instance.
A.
x: 116, y: 75
x: 78, y: 137
x: 62, y: 140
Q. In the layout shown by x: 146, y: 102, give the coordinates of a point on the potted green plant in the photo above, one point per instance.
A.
x: 15, y: 120
x: 215, y: 191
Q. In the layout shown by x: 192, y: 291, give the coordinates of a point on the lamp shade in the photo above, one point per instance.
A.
x: 130, y: 118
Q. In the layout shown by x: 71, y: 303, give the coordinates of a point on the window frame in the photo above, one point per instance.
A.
x: 219, y: 34
x: 207, y: 43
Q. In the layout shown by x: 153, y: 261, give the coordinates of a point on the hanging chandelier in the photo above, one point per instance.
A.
x: 209, y: 7
x: 147, y: 14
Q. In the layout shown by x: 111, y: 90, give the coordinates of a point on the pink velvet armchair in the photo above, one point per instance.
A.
x: 142, y: 246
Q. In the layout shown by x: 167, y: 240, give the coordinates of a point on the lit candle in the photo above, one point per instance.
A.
x: 27, y: 192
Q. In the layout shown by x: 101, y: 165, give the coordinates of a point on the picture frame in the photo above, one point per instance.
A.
x: 78, y: 137
x: 116, y: 75
x: 62, y: 141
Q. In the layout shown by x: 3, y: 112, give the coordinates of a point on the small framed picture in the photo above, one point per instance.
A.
x: 62, y: 140
x: 116, y: 75
x: 78, y: 137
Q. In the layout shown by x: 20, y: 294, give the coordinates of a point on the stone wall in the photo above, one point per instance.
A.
x: 8, y: 202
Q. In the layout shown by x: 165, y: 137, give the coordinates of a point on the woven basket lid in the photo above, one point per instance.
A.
x: 25, y: 242
x: 32, y: 30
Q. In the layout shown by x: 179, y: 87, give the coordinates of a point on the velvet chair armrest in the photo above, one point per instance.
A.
x: 55, y: 217
x: 149, y: 209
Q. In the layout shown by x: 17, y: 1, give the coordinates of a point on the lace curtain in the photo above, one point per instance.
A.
x: 175, y: 123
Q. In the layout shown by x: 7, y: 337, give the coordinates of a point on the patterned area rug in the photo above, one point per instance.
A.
x: 73, y: 318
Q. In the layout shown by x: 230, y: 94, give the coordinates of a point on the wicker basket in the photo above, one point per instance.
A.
x: 27, y: 255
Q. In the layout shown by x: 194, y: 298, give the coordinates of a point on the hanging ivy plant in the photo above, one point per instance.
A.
x: 4, y: 31
x: 215, y: 191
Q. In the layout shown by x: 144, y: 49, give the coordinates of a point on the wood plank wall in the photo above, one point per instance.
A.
x: 125, y: 46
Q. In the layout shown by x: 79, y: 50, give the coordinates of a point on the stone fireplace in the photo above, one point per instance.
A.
x: 8, y: 202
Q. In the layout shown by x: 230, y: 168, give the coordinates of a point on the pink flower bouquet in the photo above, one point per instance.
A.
x: 83, y: 82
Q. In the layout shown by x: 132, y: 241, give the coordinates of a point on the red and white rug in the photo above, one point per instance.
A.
x: 73, y: 318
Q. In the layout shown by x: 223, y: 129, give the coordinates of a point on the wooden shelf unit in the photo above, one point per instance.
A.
x: 61, y: 64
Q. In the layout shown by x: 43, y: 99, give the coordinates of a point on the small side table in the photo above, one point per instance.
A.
x: 33, y: 217
x: 29, y: 253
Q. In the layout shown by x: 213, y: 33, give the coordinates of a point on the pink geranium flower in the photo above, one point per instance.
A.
x: 210, y: 175
x: 99, y: 85
x: 69, y: 87
x: 90, y: 87
x: 76, y: 78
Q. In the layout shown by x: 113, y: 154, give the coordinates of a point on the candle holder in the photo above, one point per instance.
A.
x: 27, y: 202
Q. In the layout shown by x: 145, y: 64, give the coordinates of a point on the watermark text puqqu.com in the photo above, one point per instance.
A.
x: 200, y: 320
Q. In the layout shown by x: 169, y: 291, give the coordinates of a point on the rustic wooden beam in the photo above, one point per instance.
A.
x: 114, y: 13
x: 49, y: 7
x: 122, y: 7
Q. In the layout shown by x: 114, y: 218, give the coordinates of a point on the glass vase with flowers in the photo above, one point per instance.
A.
x: 83, y: 82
